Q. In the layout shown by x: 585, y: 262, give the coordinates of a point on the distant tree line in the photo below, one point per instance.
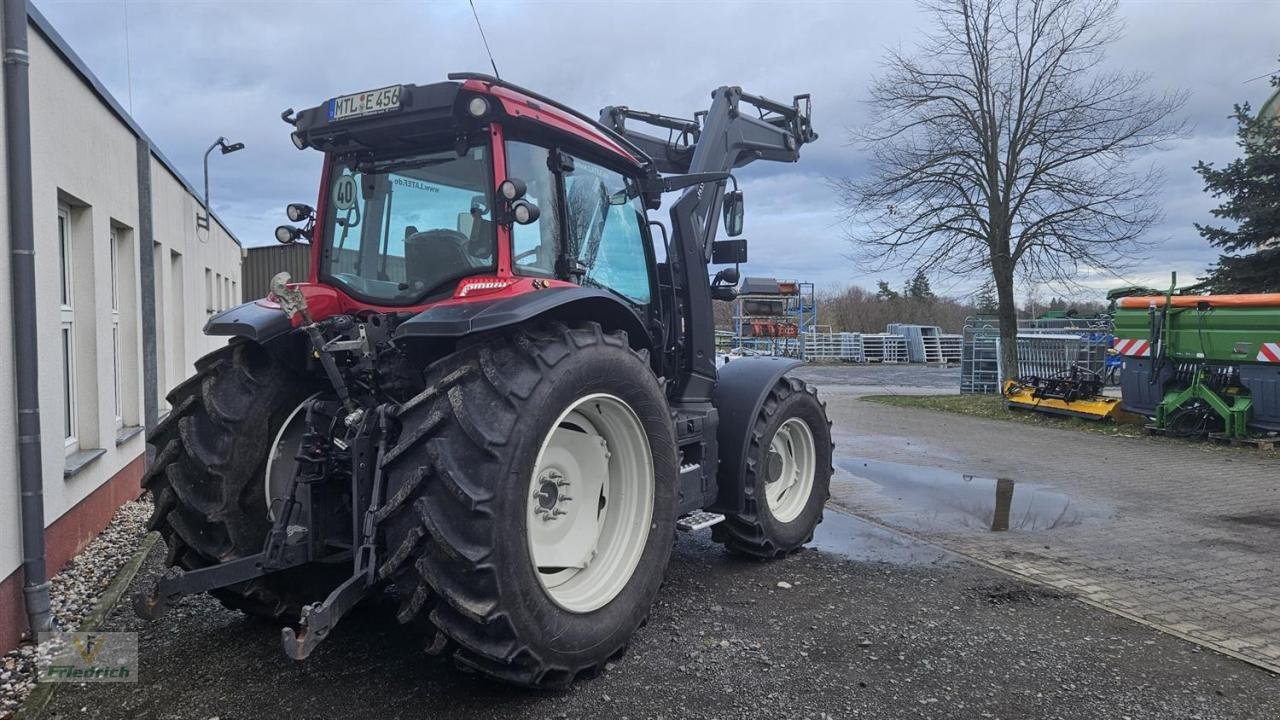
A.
x: 855, y: 309
x: 858, y: 309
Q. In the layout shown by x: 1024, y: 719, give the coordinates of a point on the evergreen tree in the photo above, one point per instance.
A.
x: 885, y: 292
x: 1250, y: 188
x: 918, y: 287
x: 986, y: 300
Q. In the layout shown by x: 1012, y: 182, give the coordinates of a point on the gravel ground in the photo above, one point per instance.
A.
x: 74, y: 591
x: 916, y: 634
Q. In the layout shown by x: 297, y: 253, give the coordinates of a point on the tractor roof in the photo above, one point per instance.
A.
x: 421, y: 111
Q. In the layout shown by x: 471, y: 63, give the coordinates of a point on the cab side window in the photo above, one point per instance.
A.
x: 605, y: 230
x: 534, y: 246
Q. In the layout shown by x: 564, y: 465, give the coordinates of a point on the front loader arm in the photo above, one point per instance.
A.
x: 736, y: 130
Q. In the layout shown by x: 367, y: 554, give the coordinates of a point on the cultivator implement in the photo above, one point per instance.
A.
x: 1075, y: 393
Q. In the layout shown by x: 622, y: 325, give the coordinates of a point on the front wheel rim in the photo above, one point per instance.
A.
x: 590, y: 503
x: 789, y: 467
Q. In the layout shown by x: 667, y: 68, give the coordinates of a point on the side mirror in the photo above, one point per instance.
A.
x: 733, y: 213
x: 298, y: 212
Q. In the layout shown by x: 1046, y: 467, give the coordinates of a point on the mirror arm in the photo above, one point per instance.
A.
x: 671, y: 183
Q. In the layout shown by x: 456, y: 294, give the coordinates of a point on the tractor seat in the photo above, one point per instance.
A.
x: 434, y: 256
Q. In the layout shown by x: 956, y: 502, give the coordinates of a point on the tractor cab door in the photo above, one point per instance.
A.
x: 592, y: 228
x: 607, y: 238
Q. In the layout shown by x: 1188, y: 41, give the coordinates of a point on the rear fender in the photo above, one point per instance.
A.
x: 264, y: 324
x: 252, y: 320
x: 739, y: 395
x: 569, y: 304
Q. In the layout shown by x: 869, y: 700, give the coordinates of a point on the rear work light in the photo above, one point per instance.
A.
x: 478, y: 107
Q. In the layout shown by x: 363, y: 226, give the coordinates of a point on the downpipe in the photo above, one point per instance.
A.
x: 17, y: 115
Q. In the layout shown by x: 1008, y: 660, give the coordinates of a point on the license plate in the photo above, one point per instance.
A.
x: 370, y: 102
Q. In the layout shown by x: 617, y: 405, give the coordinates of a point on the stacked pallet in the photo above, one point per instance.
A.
x: 952, y: 347
x: 852, y: 348
x: 923, y: 342
x: 829, y: 346
x: 885, y: 348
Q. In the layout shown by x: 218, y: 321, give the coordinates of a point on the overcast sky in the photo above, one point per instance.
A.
x: 192, y: 71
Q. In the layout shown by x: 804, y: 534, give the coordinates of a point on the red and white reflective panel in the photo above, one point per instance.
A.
x: 1269, y: 353
x: 1133, y: 348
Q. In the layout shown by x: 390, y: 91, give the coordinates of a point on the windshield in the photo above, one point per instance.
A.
x: 400, y: 229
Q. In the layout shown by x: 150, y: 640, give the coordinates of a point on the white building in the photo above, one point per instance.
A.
x: 94, y: 255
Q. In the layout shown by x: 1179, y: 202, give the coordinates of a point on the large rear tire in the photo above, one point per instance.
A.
x: 493, y: 460
x: 787, y: 477
x: 206, y: 478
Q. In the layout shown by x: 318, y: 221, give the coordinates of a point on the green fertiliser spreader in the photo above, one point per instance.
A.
x: 1198, y: 364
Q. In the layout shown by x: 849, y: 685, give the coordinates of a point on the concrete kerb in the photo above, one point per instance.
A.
x: 44, y: 692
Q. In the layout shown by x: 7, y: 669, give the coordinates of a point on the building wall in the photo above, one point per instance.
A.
x: 197, y: 274
x: 85, y: 188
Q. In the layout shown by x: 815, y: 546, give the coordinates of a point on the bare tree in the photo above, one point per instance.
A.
x: 1005, y: 146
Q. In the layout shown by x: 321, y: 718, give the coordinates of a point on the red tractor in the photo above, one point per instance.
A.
x: 497, y: 391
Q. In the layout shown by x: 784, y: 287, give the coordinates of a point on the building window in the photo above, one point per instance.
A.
x: 67, y: 316
x: 177, y: 330
x: 117, y: 391
x: 162, y: 332
x: 208, y: 291
x: 125, y: 325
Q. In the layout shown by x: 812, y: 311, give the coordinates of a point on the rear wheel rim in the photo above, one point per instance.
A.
x: 789, y: 468
x: 590, y: 503
x: 281, y: 463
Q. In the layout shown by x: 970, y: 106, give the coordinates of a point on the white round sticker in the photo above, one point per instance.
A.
x: 344, y: 193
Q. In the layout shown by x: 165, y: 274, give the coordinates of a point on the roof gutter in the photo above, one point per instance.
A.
x: 17, y: 143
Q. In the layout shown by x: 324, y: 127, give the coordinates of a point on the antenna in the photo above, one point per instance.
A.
x: 485, y: 39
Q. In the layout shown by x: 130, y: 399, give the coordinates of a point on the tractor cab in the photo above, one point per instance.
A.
x: 463, y: 189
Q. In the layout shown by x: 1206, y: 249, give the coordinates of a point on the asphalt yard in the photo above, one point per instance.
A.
x: 913, y: 609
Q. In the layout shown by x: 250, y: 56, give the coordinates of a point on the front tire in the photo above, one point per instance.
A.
x: 787, y: 477
x: 476, y: 502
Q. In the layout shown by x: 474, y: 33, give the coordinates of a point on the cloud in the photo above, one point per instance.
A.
x: 201, y: 70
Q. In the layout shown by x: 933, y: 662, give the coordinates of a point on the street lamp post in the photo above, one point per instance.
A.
x: 202, y: 221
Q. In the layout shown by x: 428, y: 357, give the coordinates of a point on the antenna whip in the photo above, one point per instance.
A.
x: 485, y: 39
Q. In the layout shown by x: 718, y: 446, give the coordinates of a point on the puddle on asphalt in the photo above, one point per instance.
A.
x: 859, y: 540
x: 934, y: 499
